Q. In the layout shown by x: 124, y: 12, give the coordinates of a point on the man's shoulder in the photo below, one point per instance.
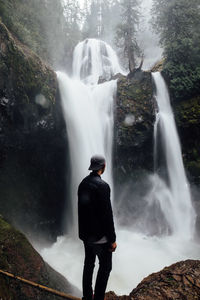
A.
x: 103, y: 186
x: 94, y: 180
x: 84, y: 180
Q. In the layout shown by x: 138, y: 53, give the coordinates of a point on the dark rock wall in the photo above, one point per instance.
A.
x: 187, y: 113
x: 133, y: 144
x: 134, y: 120
x: 33, y: 143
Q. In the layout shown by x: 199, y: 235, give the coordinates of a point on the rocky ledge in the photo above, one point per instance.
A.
x: 179, y: 281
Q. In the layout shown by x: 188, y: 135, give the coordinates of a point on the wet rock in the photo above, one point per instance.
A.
x: 179, y: 281
x: 33, y: 140
x: 134, y: 120
x: 187, y: 114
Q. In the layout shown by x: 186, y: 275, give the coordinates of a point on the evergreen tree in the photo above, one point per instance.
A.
x: 126, y: 31
x: 178, y: 23
x: 91, y: 28
x: 73, y: 15
x: 100, y: 19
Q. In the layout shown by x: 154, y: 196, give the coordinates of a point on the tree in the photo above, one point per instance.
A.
x: 178, y: 24
x: 126, y: 31
x: 73, y: 15
x: 99, y: 20
x: 93, y: 21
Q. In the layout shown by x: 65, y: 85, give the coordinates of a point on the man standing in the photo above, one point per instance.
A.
x: 96, y: 228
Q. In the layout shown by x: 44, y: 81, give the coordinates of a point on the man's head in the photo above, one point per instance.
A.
x: 97, y: 163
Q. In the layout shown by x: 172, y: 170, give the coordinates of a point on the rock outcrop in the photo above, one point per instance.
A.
x: 33, y: 140
x: 17, y: 256
x: 179, y: 281
x: 133, y: 144
x: 134, y: 120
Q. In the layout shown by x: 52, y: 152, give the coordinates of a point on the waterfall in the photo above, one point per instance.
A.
x: 88, y: 112
x: 174, y: 197
x: 93, y: 60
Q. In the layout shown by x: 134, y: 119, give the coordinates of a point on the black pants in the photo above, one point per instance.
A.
x: 105, y: 265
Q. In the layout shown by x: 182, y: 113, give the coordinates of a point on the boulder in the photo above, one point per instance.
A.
x: 179, y: 281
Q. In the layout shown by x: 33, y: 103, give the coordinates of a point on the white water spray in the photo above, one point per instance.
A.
x: 174, y: 198
x: 88, y: 109
x: 93, y: 60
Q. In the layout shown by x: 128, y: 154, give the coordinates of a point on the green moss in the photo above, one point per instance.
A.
x: 28, y: 75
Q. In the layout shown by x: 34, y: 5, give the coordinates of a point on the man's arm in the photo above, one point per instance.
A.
x: 107, y: 214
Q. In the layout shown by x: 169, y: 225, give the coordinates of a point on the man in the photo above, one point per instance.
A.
x: 96, y: 228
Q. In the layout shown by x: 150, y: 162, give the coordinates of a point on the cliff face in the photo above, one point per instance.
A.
x: 33, y: 140
x: 134, y: 120
x: 18, y: 257
x: 133, y: 144
x: 187, y: 114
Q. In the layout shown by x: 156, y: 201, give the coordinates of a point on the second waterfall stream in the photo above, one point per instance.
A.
x: 88, y: 109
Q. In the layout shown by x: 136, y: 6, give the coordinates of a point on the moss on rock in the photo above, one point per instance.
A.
x: 134, y: 119
x: 187, y: 113
x: 33, y: 140
x: 17, y: 256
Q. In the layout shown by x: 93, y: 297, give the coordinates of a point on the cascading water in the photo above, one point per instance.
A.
x: 174, y: 198
x: 88, y: 109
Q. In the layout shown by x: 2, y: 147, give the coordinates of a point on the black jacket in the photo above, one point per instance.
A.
x: 94, y: 210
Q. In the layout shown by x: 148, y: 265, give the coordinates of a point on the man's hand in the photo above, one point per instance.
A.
x: 113, y: 247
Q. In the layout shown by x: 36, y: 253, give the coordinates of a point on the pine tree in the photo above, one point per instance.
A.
x: 99, y: 20
x: 126, y: 31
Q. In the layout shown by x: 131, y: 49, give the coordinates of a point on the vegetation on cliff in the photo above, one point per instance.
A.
x: 42, y: 27
x: 178, y: 24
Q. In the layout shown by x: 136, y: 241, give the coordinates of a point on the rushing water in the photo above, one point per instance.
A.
x: 88, y: 110
x: 175, y: 197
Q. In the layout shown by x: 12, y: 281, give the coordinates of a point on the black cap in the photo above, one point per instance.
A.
x: 97, y: 162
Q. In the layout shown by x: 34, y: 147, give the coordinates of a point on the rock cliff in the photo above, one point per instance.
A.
x: 33, y: 140
x: 134, y: 120
x: 133, y: 143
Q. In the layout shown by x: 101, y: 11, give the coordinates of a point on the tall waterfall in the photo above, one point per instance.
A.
x: 175, y: 197
x: 88, y: 111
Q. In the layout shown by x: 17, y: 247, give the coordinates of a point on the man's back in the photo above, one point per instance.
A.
x: 94, y: 210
